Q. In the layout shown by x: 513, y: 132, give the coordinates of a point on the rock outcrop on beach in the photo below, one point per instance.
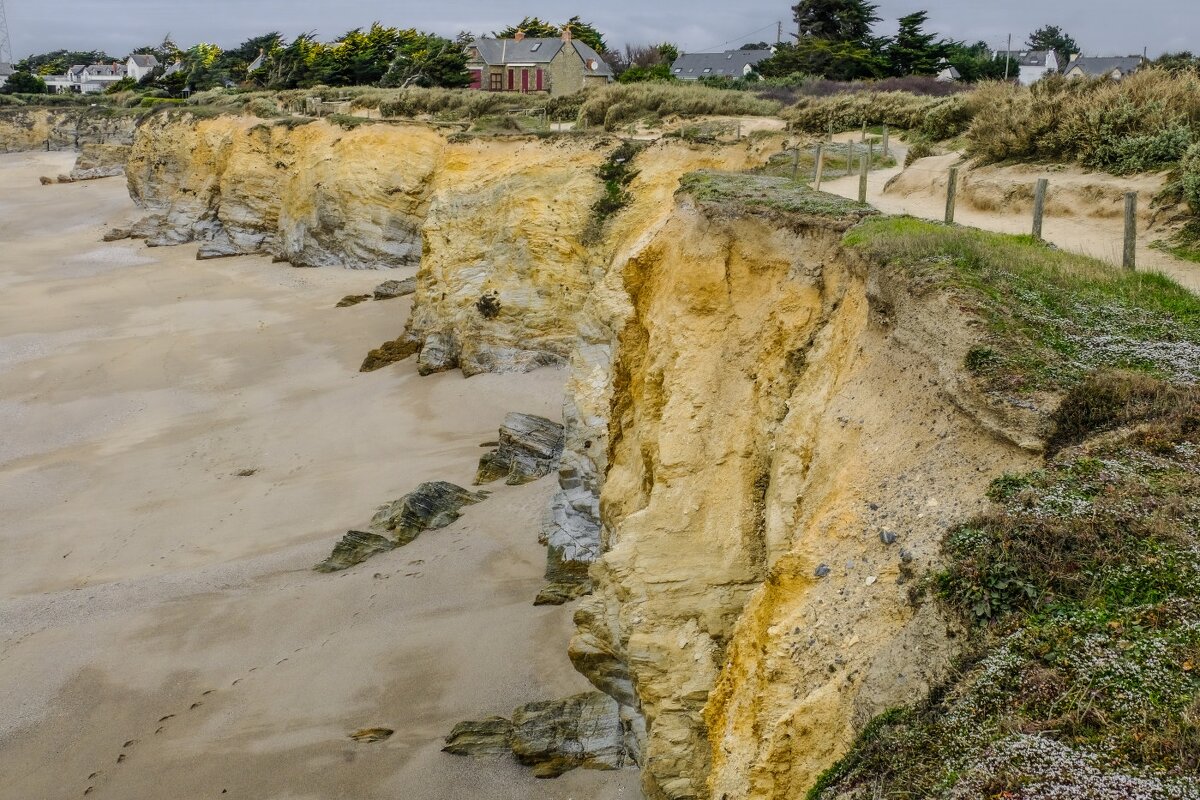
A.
x: 552, y: 736
x: 430, y: 506
x: 529, y: 448
x: 97, y: 132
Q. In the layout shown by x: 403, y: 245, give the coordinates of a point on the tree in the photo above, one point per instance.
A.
x: 1180, y: 62
x: 914, y: 52
x: 59, y: 61
x: 839, y: 61
x: 23, y: 82
x: 1052, y: 37
x: 425, y: 59
x: 755, y: 46
x: 536, y: 28
x: 975, y: 62
x: 846, y: 21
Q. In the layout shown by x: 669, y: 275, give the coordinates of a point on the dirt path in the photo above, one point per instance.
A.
x: 1100, y: 238
x: 161, y: 631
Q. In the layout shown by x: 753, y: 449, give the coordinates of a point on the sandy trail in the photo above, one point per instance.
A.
x: 1100, y: 238
x: 161, y: 633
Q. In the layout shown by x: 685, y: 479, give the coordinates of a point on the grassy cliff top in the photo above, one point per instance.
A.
x: 766, y: 193
x: 1052, y: 317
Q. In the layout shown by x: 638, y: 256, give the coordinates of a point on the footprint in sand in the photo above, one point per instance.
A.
x: 195, y: 705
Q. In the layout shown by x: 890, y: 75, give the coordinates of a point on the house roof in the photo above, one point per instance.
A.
x: 1028, y: 58
x: 176, y: 67
x: 257, y: 63
x: 497, y: 52
x: 731, y: 63
x: 950, y: 71
x: 106, y: 70
x: 1105, y: 65
x: 76, y: 69
x: 144, y: 60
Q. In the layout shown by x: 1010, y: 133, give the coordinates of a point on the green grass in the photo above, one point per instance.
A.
x: 1052, y: 317
x: 766, y: 192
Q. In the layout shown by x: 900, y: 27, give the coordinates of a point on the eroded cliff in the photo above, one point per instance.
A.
x: 766, y: 434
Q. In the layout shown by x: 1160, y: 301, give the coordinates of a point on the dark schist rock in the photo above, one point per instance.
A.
x: 529, y: 448
x: 355, y: 548
x: 390, y: 353
x: 551, y: 736
x: 431, y: 506
x: 352, y: 300
x: 392, y: 289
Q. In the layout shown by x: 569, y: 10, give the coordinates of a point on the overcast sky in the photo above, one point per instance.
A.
x: 1102, y: 27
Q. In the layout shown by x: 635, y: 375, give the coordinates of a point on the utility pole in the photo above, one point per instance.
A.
x: 779, y: 32
x: 1007, y: 56
x: 6, y: 51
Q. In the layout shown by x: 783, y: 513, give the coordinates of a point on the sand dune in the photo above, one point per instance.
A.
x: 161, y: 633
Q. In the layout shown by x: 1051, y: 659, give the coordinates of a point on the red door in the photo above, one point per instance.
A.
x: 539, y: 80
x: 524, y: 81
x: 476, y: 79
x: 510, y: 80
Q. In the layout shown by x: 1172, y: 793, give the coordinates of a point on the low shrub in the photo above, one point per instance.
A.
x: 619, y: 104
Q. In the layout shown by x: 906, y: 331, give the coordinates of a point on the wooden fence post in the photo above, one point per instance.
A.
x: 885, y: 140
x: 849, y: 159
x: 864, y: 132
x: 1130, y: 259
x: 863, y: 168
x: 1039, y: 207
x: 820, y: 166
x: 795, y: 161
x: 951, y: 195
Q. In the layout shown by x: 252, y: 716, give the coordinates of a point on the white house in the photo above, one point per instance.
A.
x: 6, y: 69
x: 95, y: 78
x: 139, y: 65
x: 730, y: 64
x: 1030, y: 66
x: 57, y: 84
x: 1114, y: 67
x: 947, y: 73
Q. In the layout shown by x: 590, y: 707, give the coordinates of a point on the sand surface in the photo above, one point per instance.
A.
x: 161, y: 633
x: 1101, y: 238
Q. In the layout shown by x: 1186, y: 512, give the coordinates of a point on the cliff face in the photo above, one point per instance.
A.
x: 765, y: 436
x: 30, y: 128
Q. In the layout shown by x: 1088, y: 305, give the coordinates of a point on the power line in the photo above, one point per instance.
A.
x: 6, y: 51
x: 722, y: 44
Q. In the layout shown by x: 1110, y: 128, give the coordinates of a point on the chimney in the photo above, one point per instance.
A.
x: 519, y: 36
x: 566, y: 36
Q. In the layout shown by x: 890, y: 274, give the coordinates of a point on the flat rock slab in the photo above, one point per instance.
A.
x: 551, y: 736
x: 352, y: 300
x: 561, y: 593
x: 392, y: 289
x: 529, y: 448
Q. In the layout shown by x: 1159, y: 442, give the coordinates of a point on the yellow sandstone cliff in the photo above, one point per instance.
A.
x: 766, y: 436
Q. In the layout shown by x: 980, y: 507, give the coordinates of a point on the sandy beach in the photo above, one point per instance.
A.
x: 161, y: 631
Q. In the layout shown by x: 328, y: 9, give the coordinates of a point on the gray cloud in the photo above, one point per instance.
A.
x: 1102, y: 28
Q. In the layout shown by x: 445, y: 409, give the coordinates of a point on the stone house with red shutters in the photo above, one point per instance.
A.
x: 535, y: 66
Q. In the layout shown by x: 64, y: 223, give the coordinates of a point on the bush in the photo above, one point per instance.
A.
x: 617, y: 104
x: 155, y: 102
x: 1189, y: 168
x: 919, y: 148
x: 936, y: 117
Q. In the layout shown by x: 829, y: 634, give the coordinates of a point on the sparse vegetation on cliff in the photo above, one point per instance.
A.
x: 765, y: 192
x: 1081, y: 586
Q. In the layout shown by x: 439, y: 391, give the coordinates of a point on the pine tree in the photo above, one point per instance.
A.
x: 847, y: 21
x: 913, y: 51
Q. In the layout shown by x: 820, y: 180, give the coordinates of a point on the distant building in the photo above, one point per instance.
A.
x: 729, y: 64
x: 57, y: 84
x: 535, y: 66
x: 95, y: 78
x: 1030, y: 66
x: 171, y: 70
x: 948, y: 74
x: 6, y: 69
x: 258, y: 63
x: 1114, y: 67
x: 139, y: 65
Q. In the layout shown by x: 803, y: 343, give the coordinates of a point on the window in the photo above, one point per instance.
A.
x: 535, y: 47
x: 707, y: 69
x: 677, y: 71
x: 497, y: 82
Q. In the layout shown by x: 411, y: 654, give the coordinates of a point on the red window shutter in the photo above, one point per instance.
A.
x: 524, y: 80
x: 511, y: 84
x: 539, y: 80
